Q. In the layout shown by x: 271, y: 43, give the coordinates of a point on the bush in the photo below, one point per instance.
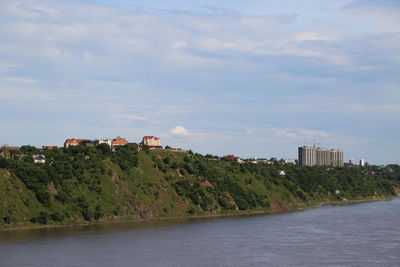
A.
x: 98, y: 213
x: 105, y: 149
x: 42, y: 218
x: 167, y: 160
x: 3, y: 163
x: 57, y: 216
x: 126, y: 157
x: 7, y: 219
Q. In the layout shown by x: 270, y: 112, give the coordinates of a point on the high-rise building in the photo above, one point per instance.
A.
x: 307, y: 156
x: 316, y: 156
x: 352, y: 162
x: 362, y: 162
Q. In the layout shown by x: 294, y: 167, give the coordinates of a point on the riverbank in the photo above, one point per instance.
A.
x: 85, y: 186
x: 131, y: 219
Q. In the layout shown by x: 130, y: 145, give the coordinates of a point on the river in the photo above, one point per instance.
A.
x: 356, y: 234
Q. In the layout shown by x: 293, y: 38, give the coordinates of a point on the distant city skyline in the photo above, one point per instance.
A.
x: 250, y: 78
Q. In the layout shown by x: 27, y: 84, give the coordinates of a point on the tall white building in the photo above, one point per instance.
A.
x: 362, y: 162
x: 316, y: 156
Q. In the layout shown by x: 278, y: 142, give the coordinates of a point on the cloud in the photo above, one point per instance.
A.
x: 301, y: 76
x: 285, y: 133
x: 136, y: 118
x: 309, y: 133
x: 380, y: 14
x: 373, y: 3
x: 179, y: 131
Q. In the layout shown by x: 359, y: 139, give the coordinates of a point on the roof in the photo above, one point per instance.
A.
x: 230, y: 157
x: 120, y: 141
x: 150, y: 137
x: 74, y: 140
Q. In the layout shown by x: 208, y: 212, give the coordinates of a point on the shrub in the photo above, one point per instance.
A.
x: 7, y: 219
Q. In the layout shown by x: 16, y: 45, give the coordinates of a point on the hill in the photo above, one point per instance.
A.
x: 85, y: 184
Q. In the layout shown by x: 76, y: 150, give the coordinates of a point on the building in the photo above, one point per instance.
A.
x: 290, y: 161
x: 119, y: 141
x: 39, y: 158
x: 73, y: 142
x: 316, y: 156
x: 336, y: 158
x: 107, y: 141
x: 231, y: 157
x: 151, y: 141
x: 362, y: 162
x: 323, y: 156
x: 352, y: 162
x: 307, y: 156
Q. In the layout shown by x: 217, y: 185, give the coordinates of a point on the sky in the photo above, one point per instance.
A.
x: 251, y: 78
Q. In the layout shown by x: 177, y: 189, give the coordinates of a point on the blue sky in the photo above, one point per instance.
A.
x: 250, y: 78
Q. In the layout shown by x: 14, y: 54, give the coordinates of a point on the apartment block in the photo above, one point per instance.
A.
x: 317, y: 156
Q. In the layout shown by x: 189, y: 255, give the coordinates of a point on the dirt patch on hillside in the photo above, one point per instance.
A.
x: 278, y: 207
x: 397, y: 191
x: 7, y: 175
x: 52, y: 189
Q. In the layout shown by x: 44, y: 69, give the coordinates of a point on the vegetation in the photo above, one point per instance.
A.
x: 90, y: 183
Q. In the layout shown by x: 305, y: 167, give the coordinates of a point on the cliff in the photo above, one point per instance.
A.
x: 82, y: 184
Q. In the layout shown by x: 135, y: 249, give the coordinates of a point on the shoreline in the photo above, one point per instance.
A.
x: 176, y: 218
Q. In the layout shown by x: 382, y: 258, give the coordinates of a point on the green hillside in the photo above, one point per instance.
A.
x: 84, y: 183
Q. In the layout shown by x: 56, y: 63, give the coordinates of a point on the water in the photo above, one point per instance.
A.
x: 361, y: 234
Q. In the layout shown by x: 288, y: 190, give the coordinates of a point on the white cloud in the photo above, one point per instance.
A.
x: 309, y: 133
x: 372, y: 108
x: 136, y: 118
x: 98, y: 59
x: 16, y: 79
x: 313, y: 36
x: 285, y: 133
x: 384, y: 15
x: 179, y: 131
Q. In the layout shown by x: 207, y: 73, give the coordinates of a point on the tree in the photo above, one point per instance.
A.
x: 3, y: 163
x: 105, y: 149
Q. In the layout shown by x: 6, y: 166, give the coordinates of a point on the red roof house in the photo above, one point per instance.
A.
x: 151, y: 141
x: 72, y: 142
x: 119, y: 141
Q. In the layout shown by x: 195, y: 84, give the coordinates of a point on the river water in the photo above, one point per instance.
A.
x: 357, y: 234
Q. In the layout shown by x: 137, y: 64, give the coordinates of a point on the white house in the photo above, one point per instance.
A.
x: 39, y: 158
x: 290, y: 161
x: 107, y: 141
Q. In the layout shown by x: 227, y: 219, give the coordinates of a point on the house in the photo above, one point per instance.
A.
x: 231, y: 157
x: 151, y: 141
x: 282, y: 173
x: 72, y: 142
x: 241, y: 161
x: 107, y: 141
x: 261, y: 161
x: 234, y: 158
x: 119, y: 141
x: 290, y: 161
x: 39, y: 158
